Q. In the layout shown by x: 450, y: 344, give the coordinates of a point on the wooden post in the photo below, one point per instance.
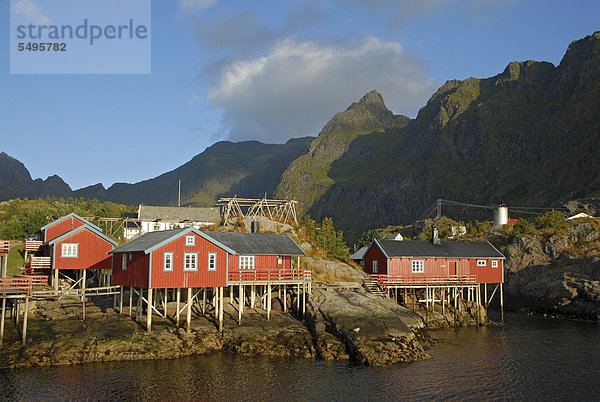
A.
x: 501, y: 303
x: 17, y: 311
x: 140, y: 305
x: 165, y: 303
x: 203, y: 300
x: 130, y: 300
x: 189, y: 310
x: 413, y: 299
x: 56, y: 279
x: 241, y: 303
x: 231, y: 295
x: 443, y: 301
x: 303, y: 299
x: 177, y: 298
x: 2, y: 322
x: 221, y: 309
x: 121, y: 300
x: 216, y: 303
x: 269, y: 300
x: 83, y: 294
x: 252, y: 295
x: 298, y: 298
x: 25, y: 320
x: 149, y: 312
x: 284, y: 298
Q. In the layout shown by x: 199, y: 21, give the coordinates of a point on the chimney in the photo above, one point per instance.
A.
x: 255, y: 227
x: 435, y: 239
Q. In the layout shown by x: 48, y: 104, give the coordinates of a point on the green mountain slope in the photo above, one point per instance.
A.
x: 526, y: 136
x: 307, y: 178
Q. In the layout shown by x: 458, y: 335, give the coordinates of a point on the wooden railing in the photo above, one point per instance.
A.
x: 4, y: 246
x: 40, y: 262
x: 36, y: 280
x: 32, y: 245
x: 22, y: 283
x: 387, y: 280
x: 269, y: 275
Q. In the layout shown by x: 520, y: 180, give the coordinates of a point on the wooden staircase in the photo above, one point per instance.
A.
x: 374, y: 288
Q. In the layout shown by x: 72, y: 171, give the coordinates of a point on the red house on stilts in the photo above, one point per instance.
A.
x: 190, y: 259
x: 72, y: 244
x: 430, y: 264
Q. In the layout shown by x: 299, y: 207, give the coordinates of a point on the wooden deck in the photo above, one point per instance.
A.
x: 388, y: 281
x: 263, y: 277
x: 4, y: 247
x: 32, y: 245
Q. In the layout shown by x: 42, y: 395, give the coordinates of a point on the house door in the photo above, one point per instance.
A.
x: 452, y: 268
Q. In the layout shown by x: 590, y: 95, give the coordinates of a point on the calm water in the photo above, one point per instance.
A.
x: 528, y: 358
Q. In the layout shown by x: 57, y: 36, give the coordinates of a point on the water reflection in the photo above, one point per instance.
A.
x: 528, y: 358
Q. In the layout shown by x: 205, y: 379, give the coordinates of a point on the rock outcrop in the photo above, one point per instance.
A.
x: 557, y: 272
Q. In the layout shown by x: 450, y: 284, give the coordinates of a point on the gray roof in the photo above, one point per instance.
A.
x: 423, y: 248
x: 148, y: 240
x: 360, y: 254
x: 241, y: 243
x: 258, y: 243
x: 178, y: 214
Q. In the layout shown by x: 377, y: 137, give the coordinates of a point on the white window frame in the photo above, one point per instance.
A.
x: 190, y: 240
x: 168, y: 262
x: 69, y: 250
x: 155, y: 227
x: 375, y: 266
x: 482, y: 263
x: 124, y: 262
x: 212, y: 261
x: 417, y: 266
x: 280, y: 260
x: 246, y: 262
x: 494, y: 263
x: 190, y: 261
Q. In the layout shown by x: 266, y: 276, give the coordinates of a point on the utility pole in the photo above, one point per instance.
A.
x: 179, y: 195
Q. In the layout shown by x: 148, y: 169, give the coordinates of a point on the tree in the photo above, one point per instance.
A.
x: 550, y: 219
x: 367, y: 237
x: 523, y: 227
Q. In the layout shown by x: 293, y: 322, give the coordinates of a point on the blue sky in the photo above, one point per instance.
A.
x: 240, y: 70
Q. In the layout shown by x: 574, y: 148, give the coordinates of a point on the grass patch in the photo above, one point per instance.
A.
x: 15, y: 259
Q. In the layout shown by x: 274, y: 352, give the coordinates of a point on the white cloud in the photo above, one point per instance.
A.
x: 299, y: 86
x: 195, y: 5
x: 31, y: 12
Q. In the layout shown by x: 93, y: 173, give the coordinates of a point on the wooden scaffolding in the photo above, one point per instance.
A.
x: 253, y: 207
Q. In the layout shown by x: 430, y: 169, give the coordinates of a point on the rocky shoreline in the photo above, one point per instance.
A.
x: 349, y: 325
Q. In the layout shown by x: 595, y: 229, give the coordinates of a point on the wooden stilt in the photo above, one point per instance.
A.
x: 303, y: 299
x: 443, y: 291
x: 501, y: 304
x: 220, y: 309
x: 216, y: 290
x: 231, y: 295
x: 56, y: 279
x: 177, y: 299
x: 25, y: 320
x: 252, y: 295
x: 413, y: 299
x: 140, y: 305
x: 241, y: 304
x: 165, y: 313
x: 83, y: 299
x: 298, y: 299
x: 17, y: 313
x: 284, y: 299
x: 203, y: 300
x: 121, y: 300
x: 130, y: 300
x: 3, y: 318
x: 149, y: 311
x: 189, y: 310
x: 269, y: 301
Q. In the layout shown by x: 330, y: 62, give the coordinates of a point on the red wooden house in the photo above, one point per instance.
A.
x: 72, y: 243
x: 416, y: 261
x: 189, y: 258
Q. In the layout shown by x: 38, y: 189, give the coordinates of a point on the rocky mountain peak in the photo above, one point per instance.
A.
x: 372, y: 97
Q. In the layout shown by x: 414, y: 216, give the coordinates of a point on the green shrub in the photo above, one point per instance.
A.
x: 551, y: 219
x: 523, y: 227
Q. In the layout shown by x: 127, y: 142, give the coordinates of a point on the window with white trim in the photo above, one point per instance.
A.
x: 69, y: 250
x: 279, y: 260
x: 156, y: 227
x: 417, y: 266
x: 375, y: 266
x: 190, y: 261
x: 124, y: 262
x: 168, y: 261
x: 190, y: 240
x: 246, y: 262
x: 481, y: 263
x: 212, y: 261
x: 494, y: 263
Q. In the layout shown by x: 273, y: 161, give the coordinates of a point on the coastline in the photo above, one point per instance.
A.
x: 372, y: 331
